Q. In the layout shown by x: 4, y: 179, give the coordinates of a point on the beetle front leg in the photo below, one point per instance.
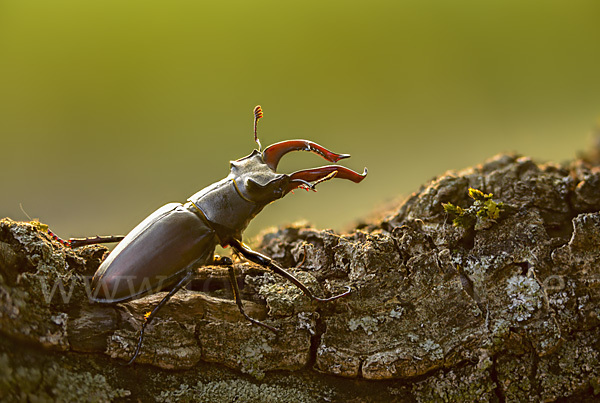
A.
x: 269, y: 263
x: 238, y: 301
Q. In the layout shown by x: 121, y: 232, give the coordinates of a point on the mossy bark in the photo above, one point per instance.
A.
x: 503, y: 312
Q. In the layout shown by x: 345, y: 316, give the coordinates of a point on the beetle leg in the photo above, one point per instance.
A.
x: 222, y: 261
x: 238, y: 301
x: 298, y: 265
x: 77, y: 242
x: 186, y: 279
x: 270, y: 264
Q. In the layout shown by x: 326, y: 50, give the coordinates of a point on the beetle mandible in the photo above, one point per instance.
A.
x: 165, y: 249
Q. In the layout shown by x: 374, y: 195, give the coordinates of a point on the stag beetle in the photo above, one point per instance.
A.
x: 165, y: 249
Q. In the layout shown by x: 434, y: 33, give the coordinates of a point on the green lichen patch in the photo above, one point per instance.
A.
x: 480, y: 215
x: 367, y: 323
x: 525, y: 295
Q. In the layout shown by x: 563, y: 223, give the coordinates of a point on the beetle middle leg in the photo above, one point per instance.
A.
x: 238, y: 301
x: 222, y: 261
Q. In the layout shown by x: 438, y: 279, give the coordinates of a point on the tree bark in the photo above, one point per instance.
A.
x: 504, y: 310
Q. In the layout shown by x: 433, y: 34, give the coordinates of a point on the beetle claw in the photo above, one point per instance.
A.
x: 348, y: 291
x: 322, y: 174
x: 271, y: 328
x: 259, y: 323
x: 273, y: 153
x: 137, y: 351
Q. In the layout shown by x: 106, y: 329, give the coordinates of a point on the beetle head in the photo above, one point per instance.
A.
x: 257, y: 180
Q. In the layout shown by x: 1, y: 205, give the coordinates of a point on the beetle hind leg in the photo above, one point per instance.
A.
x: 182, y: 283
x: 78, y: 242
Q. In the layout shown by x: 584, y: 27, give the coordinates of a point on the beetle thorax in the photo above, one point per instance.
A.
x: 230, y: 204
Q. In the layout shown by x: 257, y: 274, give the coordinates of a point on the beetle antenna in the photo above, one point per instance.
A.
x: 326, y: 178
x: 258, y: 113
x: 304, y: 184
x: 25, y: 212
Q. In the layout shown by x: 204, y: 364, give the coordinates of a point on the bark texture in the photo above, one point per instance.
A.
x: 505, y: 310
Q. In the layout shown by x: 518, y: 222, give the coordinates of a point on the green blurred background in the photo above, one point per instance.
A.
x: 110, y: 109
